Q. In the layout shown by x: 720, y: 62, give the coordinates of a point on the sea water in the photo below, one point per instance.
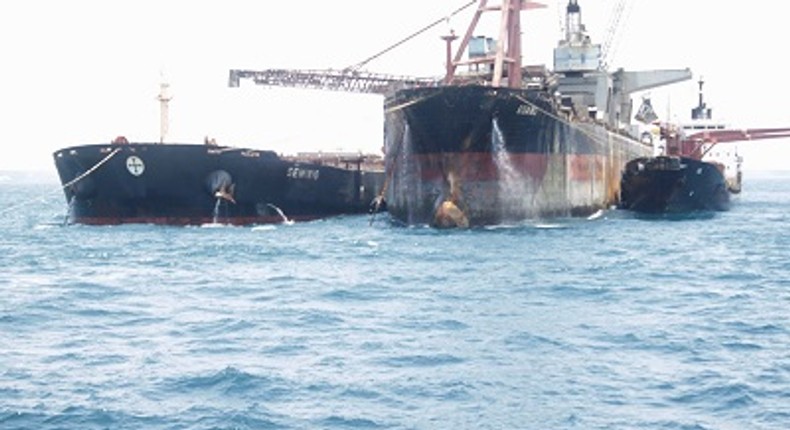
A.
x: 613, y: 322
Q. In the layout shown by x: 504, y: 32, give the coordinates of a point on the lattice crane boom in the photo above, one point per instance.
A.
x: 609, y: 47
x: 337, y: 80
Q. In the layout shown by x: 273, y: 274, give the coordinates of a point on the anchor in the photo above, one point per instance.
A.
x: 220, y: 185
x: 225, y: 193
x: 449, y: 214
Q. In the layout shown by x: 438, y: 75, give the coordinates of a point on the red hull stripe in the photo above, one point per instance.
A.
x: 481, y: 166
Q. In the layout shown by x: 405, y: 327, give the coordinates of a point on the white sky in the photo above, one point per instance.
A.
x: 84, y: 71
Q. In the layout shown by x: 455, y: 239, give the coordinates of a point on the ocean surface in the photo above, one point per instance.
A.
x: 614, y: 322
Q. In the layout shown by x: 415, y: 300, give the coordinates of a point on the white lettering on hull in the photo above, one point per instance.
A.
x: 300, y: 173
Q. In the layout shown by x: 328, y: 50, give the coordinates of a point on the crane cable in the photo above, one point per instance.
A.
x: 412, y: 36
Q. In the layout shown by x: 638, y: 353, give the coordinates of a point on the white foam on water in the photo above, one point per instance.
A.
x: 47, y: 226
x: 267, y: 227
x: 599, y: 213
x: 213, y: 225
x: 549, y: 226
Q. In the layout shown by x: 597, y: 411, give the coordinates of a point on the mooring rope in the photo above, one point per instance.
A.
x: 92, y: 169
x: 64, y: 186
x: 407, y: 104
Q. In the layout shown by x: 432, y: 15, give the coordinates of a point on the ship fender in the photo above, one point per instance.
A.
x: 219, y: 183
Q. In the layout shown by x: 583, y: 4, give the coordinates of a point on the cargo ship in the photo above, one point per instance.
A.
x: 194, y: 184
x: 693, y: 171
x: 124, y: 182
x: 500, y: 142
x: 491, y: 140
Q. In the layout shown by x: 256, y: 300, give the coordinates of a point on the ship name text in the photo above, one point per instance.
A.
x: 300, y: 173
x: 527, y: 110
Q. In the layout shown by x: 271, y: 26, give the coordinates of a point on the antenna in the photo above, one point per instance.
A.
x: 164, y: 98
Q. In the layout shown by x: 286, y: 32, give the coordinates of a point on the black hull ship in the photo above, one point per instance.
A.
x: 474, y: 155
x: 193, y: 184
x: 493, y: 141
x: 504, y: 143
x: 692, y: 175
x: 672, y: 184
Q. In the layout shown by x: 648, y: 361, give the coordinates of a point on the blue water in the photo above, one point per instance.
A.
x: 616, y: 322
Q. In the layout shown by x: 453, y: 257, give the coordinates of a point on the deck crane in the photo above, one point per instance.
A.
x: 609, y: 47
x: 349, y: 79
x: 577, y: 69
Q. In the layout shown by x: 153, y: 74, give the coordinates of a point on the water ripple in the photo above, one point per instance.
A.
x: 619, y: 322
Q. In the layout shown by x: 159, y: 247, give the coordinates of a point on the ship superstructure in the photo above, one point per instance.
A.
x: 697, y: 166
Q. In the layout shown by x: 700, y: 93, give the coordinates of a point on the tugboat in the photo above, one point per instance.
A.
x: 673, y: 184
x: 690, y: 174
x: 191, y: 184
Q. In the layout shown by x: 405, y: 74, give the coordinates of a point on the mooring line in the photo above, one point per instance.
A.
x: 407, y: 104
x: 92, y: 169
x: 64, y: 186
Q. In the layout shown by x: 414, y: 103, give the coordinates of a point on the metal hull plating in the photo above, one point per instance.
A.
x: 667, y: 184
x: 184, y: 184
x: 497, y: 155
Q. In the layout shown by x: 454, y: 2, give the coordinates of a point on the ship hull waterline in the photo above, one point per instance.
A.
x: 191, y: 184
x: 673, y: 185
x: 495, y: 156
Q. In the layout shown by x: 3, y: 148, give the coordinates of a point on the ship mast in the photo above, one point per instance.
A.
x: 164, y: 98
x: 506, y: 59
x: 701, y: 111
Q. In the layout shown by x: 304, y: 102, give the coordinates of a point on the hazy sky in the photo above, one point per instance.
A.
x: 84, y: 71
